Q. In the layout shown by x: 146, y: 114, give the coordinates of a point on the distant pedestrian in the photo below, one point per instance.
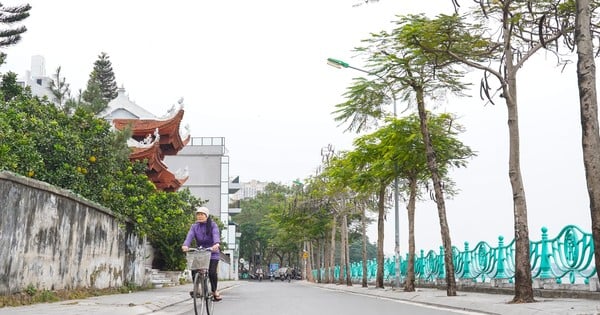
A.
x: 206, y: 233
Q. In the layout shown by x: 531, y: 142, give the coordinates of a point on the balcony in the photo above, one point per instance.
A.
x: 234, y: 185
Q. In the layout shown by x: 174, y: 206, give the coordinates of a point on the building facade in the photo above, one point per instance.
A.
x: 249, y: 189
x: 37, y: 80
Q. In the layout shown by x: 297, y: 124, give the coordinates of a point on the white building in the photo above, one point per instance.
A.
x: 37, y: 80
x: 249, y: 189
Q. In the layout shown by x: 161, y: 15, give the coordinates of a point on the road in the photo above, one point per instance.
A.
x: 275, y: 298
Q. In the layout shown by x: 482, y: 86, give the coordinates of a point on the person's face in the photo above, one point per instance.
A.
x: 201, y: 217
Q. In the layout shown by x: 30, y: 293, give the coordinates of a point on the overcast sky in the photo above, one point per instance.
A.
x: 255, y: 73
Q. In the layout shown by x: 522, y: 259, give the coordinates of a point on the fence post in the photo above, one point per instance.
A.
x: 467, y: 263
x: 545, y: 262
x: 441, y: 265
x: 501, y: 259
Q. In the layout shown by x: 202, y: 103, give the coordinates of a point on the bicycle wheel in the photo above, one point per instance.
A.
x: 198, y: 298
x: 208, y: 298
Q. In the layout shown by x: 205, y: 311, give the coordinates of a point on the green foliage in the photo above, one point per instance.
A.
x: 10, y: 15
x: 9, y: 87
x: 103, y: 76
x: 364, y: 105
x: 60, y: 90
x: 81, y: 153
x: 92, y: 96
x: 356, y: 250
x: 31, y: 290
x: 168, y: 221
x: 276, y: 222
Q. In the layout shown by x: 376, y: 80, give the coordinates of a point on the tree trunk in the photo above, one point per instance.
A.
x: 588, y: 102
x: 320, y: 258
x: 326, y: 261
x: 342, y: 263
x: 347, y: 252
x: 409, y: 284
x: 439, y: 196
x: 332, y: 249
x: 364, y: 246
x: 523, y: 282
x: 380, y: 234
x: 309, y: 260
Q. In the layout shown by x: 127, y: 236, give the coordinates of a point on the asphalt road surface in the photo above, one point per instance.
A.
x: 275, y: 298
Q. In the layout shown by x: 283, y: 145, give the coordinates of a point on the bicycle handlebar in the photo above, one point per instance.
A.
x: 198, y: 249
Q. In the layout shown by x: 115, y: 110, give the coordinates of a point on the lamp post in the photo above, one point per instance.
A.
x: 341, y: 64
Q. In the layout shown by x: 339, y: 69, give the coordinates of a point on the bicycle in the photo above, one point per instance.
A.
x: 198, y: 259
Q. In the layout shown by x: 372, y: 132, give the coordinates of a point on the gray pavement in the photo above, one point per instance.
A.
x: 479, y: 302
x: 152, y: 301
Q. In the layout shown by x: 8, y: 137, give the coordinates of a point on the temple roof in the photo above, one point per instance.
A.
x: 157, y: 171
x: 152, y: 138
x: 171, y: 141
x: 123, y: 107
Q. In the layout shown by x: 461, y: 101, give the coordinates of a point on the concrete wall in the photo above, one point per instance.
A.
x: 53, y: 239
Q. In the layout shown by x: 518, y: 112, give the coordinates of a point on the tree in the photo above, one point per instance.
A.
x: 365, y: 171
x: 523, y: 30
x: 357, y: 247
x: 60, y: 90
x: 588, y: 103
x: 407, y: 70
x: 92, y: 96
x: 10, y: 15
x: 102, y: 76
x: 404, y: 135
x: 9, y: 87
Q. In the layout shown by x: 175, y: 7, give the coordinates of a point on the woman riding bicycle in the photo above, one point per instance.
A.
x: 207, y: 235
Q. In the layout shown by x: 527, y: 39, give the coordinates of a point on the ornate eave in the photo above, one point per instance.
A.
x: 150, y: 150
x: 157, y: 171
x: 167, y: 181
x: 171, y: 141
x: 152, y: 139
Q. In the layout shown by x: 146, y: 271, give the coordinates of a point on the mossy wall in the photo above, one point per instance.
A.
x: 52, y: 239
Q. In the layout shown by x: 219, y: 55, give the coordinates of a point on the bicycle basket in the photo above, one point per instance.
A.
x: 198, y: 260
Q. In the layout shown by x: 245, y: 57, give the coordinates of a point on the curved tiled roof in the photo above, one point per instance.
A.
x: 152, y: 138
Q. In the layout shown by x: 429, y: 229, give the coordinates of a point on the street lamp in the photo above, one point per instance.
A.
x: 341, y: 64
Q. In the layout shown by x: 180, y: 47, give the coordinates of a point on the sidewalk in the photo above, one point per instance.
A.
x: 150, y: 301
x: 136, y: 303
x: 478, y: 302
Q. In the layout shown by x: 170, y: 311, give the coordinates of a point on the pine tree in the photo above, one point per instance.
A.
x: 60, y: 90
x: 9, y: 16
x: 104, y: 76
x: 92, y: 96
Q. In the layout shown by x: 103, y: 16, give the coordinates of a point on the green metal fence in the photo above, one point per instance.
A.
x: 566, y: 258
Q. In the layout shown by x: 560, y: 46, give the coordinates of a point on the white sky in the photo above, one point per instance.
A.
x: 255, y: 73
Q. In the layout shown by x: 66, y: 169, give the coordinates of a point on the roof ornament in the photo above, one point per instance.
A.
x: 186, y: 131
x: 182, y: 173
x: 148, y: 140
x: 156, y: 135
x: 171, y: 111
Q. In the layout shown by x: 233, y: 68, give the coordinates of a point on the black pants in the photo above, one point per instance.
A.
x: 212, y: 274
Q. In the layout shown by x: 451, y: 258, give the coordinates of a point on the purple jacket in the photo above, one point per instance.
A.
x: 198, y: 231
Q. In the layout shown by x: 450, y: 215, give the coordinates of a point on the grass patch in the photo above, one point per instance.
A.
x: 31, y: 295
